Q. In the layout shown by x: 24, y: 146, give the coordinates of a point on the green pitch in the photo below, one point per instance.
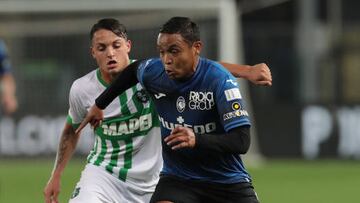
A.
x: 24, y: 180
x: 276, y: 181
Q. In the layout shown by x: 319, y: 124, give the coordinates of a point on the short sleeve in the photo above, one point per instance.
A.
x: 143, y: 71
x: 5, y: 65
x: 230, y: 104
x: 77, y: 110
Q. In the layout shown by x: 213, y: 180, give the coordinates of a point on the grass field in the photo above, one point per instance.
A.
x: 276, y: 181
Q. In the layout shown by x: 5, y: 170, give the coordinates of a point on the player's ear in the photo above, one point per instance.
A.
x: 128, y: 45
x: 92, y: 51
x: 197, y: 46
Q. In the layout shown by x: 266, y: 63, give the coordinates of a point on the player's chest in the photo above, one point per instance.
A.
x: 200, y: 101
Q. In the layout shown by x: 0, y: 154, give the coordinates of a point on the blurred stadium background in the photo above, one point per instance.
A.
x: 307, y: 135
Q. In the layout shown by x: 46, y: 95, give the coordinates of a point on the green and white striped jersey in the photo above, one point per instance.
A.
x: 127, y: 144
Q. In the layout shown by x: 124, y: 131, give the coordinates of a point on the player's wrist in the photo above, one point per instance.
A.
x: 56, y: 175
x: 99, y: 104
x: 246, y: 72
x: 198, y: 141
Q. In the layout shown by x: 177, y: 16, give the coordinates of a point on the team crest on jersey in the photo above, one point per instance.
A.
x: 180, y: 104
x: 75, y: 192
x: 142, y: 96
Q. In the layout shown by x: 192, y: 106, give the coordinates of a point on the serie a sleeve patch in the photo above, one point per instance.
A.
x: 232, y: 94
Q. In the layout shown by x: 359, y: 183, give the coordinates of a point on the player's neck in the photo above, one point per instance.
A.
x: 197, y: 59
x: 195, y: 66
x: 110, y: 77
x: 190, y: 73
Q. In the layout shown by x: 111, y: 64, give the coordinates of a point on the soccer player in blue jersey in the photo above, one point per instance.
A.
x: 204, y: 124
x: 7, y: 82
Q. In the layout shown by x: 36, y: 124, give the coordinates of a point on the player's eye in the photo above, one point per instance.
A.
x: 117, y: 45
x: 101, y: 48
x: 174, y: 51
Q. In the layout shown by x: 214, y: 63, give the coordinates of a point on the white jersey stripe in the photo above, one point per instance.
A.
x: 130, y: 104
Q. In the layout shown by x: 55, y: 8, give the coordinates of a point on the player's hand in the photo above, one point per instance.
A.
x: 260, y: 74
x: 94, y: 117
x: 181, y: 137
x: 52, y: 190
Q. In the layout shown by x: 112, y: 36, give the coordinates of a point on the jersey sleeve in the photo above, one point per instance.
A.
x: 144, y: 73
x: 230, y: 103
x: 5, y: 65
x: 77, y: 110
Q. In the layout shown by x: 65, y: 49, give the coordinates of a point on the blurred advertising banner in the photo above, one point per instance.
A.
x: 34, y: 136
x: 320, y: 125
x: 310, y: 132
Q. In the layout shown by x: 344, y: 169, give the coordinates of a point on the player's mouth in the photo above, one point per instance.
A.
x: 170, y: 73
x: 111, y: 64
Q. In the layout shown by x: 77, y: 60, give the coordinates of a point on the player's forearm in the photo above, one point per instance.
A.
x: 237, y: 141
x: 124, y: 81
x: 8, y: 85
x: 239, y: 71
x: 67, y: 146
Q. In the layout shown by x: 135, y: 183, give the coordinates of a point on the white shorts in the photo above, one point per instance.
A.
x: 99, y: 186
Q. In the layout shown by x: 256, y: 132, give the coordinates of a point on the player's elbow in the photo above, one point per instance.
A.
x: 241, y: 146
x: 243, y: 140
x: 244, y: 148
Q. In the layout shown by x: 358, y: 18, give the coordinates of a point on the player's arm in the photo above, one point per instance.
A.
x: 124, y: 81
x: 258, y: 74
x: 236, y: 141
x: 67, y: 145
x: 8, y: 98
x: 8, y: 85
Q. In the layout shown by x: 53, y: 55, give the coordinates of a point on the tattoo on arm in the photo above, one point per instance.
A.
x: 63, y: 146
x: 67, y: 146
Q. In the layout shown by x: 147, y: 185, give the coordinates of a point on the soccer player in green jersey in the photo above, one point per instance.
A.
x: 125, y: 162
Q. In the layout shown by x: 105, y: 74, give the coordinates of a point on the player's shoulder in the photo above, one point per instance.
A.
x: 151, y: 68
x: 85, y: 82
x: 151, y: 62
x: 2, y: 47
x: 214, y: 69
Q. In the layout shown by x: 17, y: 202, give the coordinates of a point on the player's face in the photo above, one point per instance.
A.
x: 110, y: 51
x: 179, y: 58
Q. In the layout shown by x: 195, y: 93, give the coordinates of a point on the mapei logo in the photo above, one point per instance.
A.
x: 143, y: 123
x: 201, y: 100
